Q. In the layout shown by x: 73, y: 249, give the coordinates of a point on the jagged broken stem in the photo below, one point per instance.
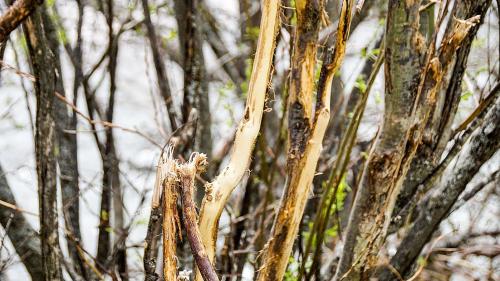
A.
x: 170, y: 229
x: 218, y: 191
x: 187, y: 175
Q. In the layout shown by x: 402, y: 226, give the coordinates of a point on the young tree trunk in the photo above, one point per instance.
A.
x: 67, y: 157
x: 42, y: 60
x: 439, y: 128
x: 367, y: 221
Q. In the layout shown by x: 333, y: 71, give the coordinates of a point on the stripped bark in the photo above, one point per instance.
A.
x: 484, y: 142
x: 439, y: 128
x: 305, y: 132
x: 401, y: 135
x: 326, y: 205
x: 42, y: 60
x: 218, y: 191
x: 167, y: 181
x: 300, y: 123
x: 402, y: 71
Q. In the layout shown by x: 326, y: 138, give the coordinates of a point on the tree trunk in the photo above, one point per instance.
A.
x: 42, y: 60
x: 368, y: 220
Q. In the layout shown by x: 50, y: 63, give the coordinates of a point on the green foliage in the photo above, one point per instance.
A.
x: 360, y: 83
x: 478, y: 42
x: 104, y: 215
x: 252, y: 32
x: 466, y: 96
x: 293, y: 20
x: 372, y: 54
x: 341, y: 194
x: 317, y: 73
x: 292, y: 270
x: 248, y: 73
x: 61, y: 33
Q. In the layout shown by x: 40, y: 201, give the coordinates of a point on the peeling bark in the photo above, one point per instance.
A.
x: 299, y: 177
x: 305, y: 132
x: 484, y: 142
x: 367, y: 220
x: 218, y: 191
x: 439, y: 128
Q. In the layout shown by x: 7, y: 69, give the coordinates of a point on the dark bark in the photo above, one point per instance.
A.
x: 44, y: 68
x: 24, y: 238
x: 161, y: 73
x: 186, y: 183
x: 67, y: 157
x: 151, y: 243
x: 111, y: 199
x: 195, y: 80
x: 213, y: 37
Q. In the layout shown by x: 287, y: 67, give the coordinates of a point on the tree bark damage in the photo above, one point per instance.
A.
x: 218, y: 191
x: 305, y: 132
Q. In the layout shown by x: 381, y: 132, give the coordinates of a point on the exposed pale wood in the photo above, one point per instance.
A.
x: 218, y: 191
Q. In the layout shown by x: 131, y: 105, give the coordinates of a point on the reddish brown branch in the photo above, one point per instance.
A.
x: 186, y: 175
x: 15, y: 15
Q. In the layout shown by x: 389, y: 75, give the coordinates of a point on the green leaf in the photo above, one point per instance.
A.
x: 104, y: 215
x: 363, y: 52
x: 466, y: 96
x: 252, y: 32
x: 360, y: 84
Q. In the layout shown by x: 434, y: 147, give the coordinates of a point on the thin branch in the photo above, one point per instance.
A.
x: 15, y: 15
x: 186, y: 174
